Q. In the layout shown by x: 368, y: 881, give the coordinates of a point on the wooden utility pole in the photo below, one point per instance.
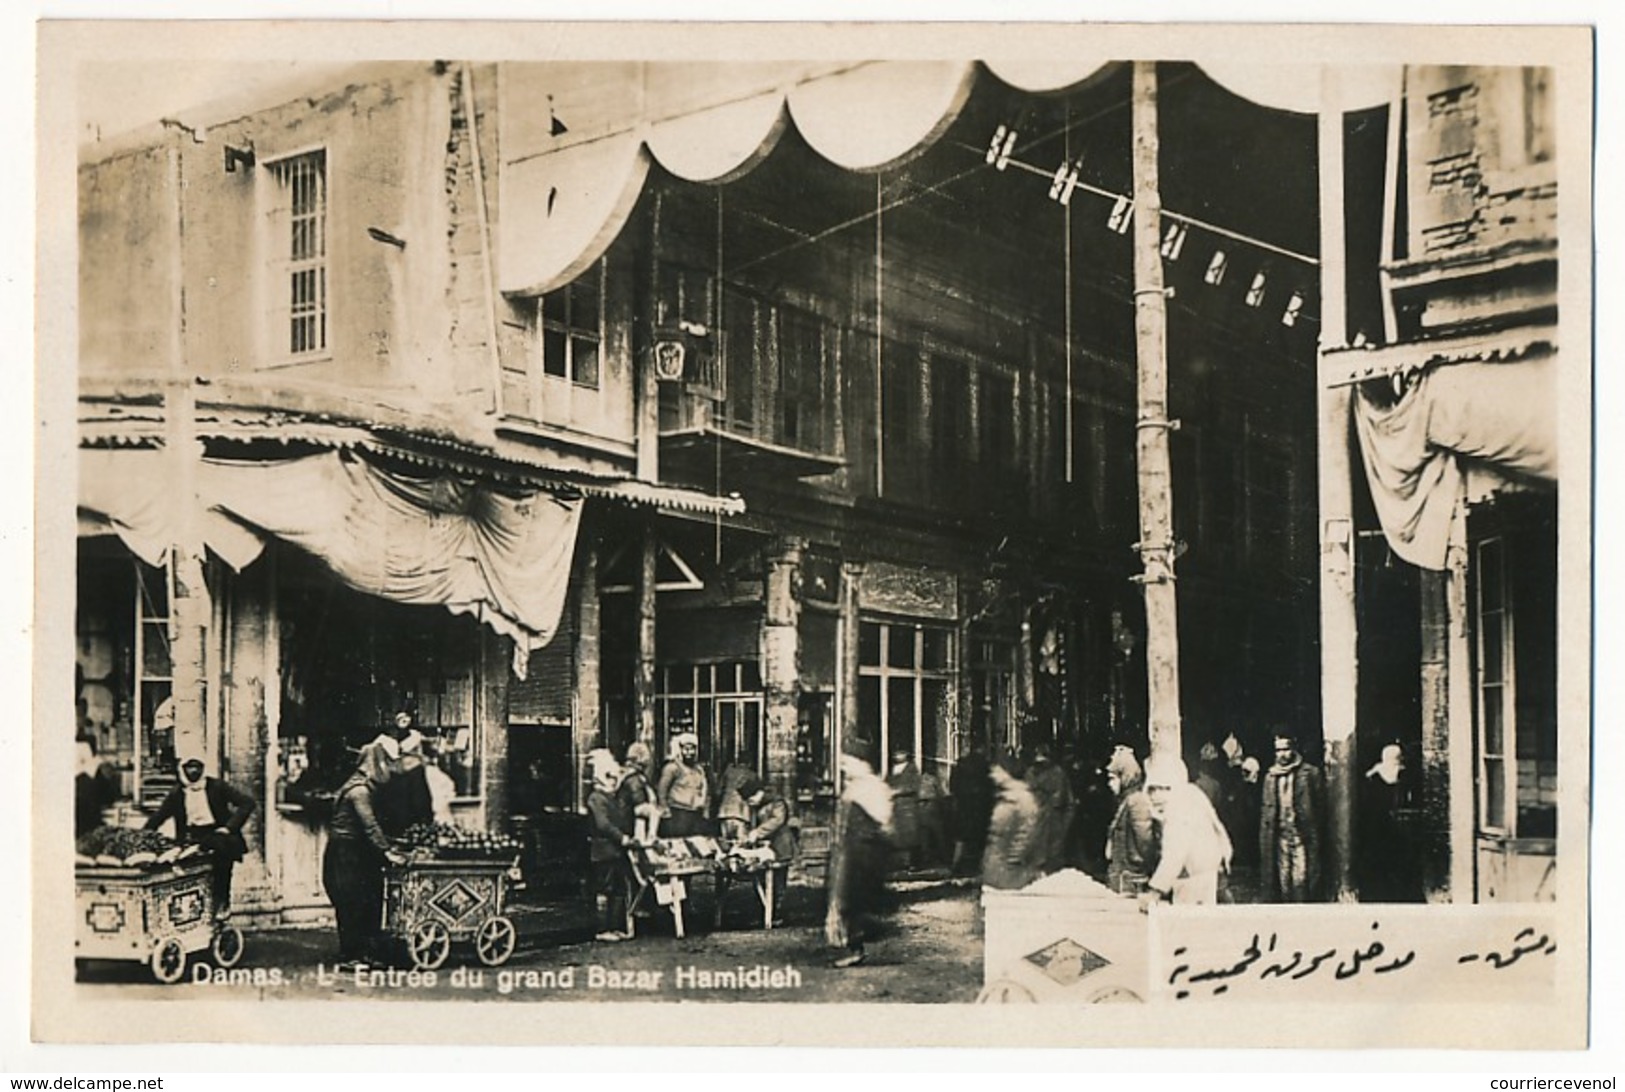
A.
x: 1339, y: 624
x: 1152, y: 426
x: 190, y: 610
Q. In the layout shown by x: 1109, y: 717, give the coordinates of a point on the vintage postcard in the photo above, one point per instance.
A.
x: 972, y: 534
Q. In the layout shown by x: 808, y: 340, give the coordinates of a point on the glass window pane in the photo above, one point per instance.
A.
x: 155, y: 648
x: 1495, y: 783
x: 868, y: 717
x: 680, y: 679
x: 154, y: 591
x: 937, y: 643
x: 750, y: 677
x: 1489, y: 575
x: 679, y: 716
x: 899, y: 717
x: 869, y: 644
x: 753, y: 735
x: 1494, y: 721
x: 584, y: 302
x: 933, y: 728
x: 585, y: 361
x: 553, y: 353
x: 727, y: 750
x: 555, y: 308
x: 900, y: 646
x: 1492, y: 663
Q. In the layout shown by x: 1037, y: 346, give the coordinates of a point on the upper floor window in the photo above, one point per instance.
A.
x: 572, y: 327
x: 299, y: 228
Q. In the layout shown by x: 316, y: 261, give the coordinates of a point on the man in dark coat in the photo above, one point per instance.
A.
x: 210, y: 813
x: 1291, y: 811
x: 972, y: 795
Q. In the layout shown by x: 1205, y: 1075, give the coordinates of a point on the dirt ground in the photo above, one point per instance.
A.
x: 924, y: 950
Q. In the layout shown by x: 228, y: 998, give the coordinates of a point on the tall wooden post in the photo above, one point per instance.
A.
x: 190, y: 609
x: 1152, y: 425
x: 781, y: 653
x: 1339, y: 666
x: 643, y: 680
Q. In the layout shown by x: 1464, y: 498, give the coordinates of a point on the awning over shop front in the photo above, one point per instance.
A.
x: 1496, y: 416
x: 501, y: 555
x: 578, y: 138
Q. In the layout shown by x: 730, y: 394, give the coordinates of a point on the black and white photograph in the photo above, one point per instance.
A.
x: 1057, y: 534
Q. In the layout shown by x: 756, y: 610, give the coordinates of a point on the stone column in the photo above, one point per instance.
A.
x: 781, y: 661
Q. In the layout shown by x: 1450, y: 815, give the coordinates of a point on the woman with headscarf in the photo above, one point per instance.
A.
x: 610, y: 835
x: 206, y: 811
x: 857, y: 864
x: 684, y: 790
x: 357, y: 851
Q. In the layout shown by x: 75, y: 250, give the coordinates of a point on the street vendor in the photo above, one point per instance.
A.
x: 684, y: 790
x: 637, y: 792
x: 207, y: 811
x: 610, y: 838
x: 357, y: 851
x: 770, y: 826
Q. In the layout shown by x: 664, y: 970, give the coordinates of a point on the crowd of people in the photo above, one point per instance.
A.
x: 1143, y: 825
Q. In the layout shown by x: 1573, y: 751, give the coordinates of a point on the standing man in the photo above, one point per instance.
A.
x: 1131, y: 838
x: 1291, y: 809
x: 1193, y: 846
x: 684, y: 791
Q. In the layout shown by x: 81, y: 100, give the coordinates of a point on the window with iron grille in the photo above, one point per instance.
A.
x: 299, y: 217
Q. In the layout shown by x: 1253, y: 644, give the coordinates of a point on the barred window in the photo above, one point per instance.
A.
x: 299, y: 228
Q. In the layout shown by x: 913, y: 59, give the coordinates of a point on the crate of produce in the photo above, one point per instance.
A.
x: 452, y: 889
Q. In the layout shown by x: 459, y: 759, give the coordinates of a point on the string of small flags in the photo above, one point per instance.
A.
x: 1064, y: 181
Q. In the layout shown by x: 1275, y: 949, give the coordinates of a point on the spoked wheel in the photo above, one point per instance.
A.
x: 429, y: 945
x: 1005, y: 992
x: 495, y: 940
x: 227, y: 947
x: 168, y: 961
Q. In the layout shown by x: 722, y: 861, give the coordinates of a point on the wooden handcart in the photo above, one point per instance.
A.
x: 158, y: 915
x: 432, y: 903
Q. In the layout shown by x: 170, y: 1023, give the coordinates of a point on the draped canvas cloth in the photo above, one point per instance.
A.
x: 502, y: 556
x: 1501, y: 416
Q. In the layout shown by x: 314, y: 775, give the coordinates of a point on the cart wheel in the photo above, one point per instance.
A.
x: 227, y: 946
x: 494, y: 941
x: 429, y: 945
x: 168, y: 961
x: 1005, y: 992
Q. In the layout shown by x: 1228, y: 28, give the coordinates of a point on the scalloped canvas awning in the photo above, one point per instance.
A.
x: 578, y: 138
x: 440, y: 539
x: 1452, y: 419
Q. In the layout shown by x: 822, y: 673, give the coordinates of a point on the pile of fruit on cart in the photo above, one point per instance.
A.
x: 121, y: 847
x: 449, y: 841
